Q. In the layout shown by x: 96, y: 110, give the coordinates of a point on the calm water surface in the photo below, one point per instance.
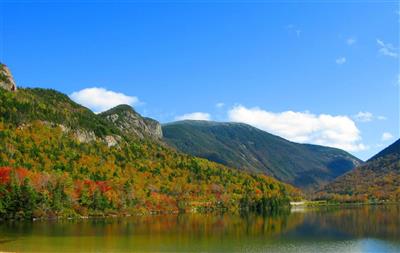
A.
x: 350, y: 229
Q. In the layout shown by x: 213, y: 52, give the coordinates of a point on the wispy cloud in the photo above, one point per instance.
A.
x: 219, y: 105
x: 351, y: 41
x: 294, y: 29
x: 341, y: 60
x: 324, y: 129
x: 194, y: 116
x: 386, y: 136
x: 387, y: 49
x: 101, y: 99
x: 367, y: 117
x: 364, y: 116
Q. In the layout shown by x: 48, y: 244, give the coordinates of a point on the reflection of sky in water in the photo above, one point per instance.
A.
x: 141, y: 244
x: 361, y: 229
x: 348, y: 246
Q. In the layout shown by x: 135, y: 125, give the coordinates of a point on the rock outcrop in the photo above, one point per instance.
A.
x: 154, y: 126
x: 85, y: 136
x: 132, y: 123
x: 6, y: 79
x: 112, y: 140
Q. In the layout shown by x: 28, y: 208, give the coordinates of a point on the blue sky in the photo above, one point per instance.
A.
x: 324, y: 73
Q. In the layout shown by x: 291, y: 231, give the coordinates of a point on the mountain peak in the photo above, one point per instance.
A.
x: 121, y: 108
x: 6, y: 79
x: 126, y: 119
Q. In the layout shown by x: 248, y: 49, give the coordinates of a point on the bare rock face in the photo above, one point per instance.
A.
x: 112, y: 140
x: 132, y: 123
x: 154, y: 126
x: 6, y: 79
x: 84, y: 136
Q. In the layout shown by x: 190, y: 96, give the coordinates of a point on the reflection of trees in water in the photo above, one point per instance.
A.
x: 363, y: 221
x: 359, y: 221
x: 201, y: 225
x: 198, y: 225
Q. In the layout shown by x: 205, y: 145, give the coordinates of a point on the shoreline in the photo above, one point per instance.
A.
x: 317, y: 203
x: 293, y: 207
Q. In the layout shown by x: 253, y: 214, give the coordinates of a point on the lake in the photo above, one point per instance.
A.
x: 334, y: 229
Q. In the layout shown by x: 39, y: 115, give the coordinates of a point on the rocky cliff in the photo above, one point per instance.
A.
x: 6, y: 79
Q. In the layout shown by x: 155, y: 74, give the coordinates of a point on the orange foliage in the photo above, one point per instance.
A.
x: 5, y: 175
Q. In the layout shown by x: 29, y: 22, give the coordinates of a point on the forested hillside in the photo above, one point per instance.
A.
x: 58, y: 158
x: 377, y: 180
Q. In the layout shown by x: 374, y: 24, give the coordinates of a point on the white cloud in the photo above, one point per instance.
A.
x: 194, y: 116
x: 341, y: 60
x: 219, y: 105
x: 386, y: 136
x: 387, y: 49
x: 351, y: 41
x: 100, y: 99
x: 305, y: 127
x: 380, y: 117
x: 364, y: 116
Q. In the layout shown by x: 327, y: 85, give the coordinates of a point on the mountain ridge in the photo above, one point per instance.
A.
x: 253, y: 149
x: 376, y: 180
x: 392, y: 148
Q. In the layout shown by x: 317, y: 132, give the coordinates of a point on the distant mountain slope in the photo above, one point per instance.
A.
x: 378, y: 179
x: 246, y: 147
x: 393, y: 149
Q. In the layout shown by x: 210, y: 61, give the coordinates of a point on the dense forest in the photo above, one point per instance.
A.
x: 56, y: 160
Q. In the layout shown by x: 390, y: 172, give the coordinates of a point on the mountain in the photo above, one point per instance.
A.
x: 246, y: 147
x: 391, y: 150
x: 377, y: 180
x: 58, y: 158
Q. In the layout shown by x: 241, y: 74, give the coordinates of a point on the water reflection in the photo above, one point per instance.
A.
x: 357, y: 221
x: 352, y: 229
